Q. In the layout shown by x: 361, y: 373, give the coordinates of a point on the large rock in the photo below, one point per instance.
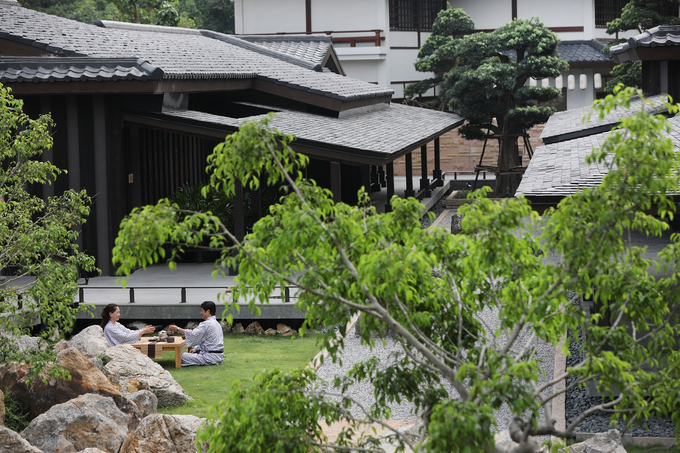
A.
x: 2, y: 408
x: 146, y: 401
x: 43, y: 392
x: 226, y: 328
x: 238, y: 328
x: 282, y: 328
x: 87, y: 421
x: 609, y: 442
x: 165, y: 433
x: 133, y: 371
x: 90, y: 341
x: 92, y: 450
x: 12, y: 442
x: 254, y: 328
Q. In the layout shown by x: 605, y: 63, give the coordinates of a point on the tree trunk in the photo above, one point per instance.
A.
x: 508, y: 158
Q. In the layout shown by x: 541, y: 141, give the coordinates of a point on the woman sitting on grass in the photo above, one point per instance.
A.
x: 116, y: 333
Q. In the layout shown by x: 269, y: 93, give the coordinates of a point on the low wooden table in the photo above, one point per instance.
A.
x: 177, y: 346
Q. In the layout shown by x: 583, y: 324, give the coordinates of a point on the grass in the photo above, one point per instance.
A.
x: 244, y: 355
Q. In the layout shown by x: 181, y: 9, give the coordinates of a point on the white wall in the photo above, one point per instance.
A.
x: 269, y: 16
x: 486, y: 13
x: 347, y: 15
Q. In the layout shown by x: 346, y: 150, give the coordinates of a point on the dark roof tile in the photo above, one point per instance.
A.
x: 180, y: 54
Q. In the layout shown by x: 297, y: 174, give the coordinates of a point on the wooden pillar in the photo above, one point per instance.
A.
x: 73, y: 151
x: 424, y: 181
x: 135, y: 169
x: 48, y: 153
x: 308, y: 16
x: 239, y: 219
x: 239, y: 212
x: 255, y: 208
x: 390, y: 186
x: 366, y: 178
x: 101, y: 200
x: 336, y: 186
x: 409, y: 192
x: 437, y: 174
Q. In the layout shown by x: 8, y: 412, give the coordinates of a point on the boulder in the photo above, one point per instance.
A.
x: 289, y: 333
x: 254, y: 328
x: 137, y: 325
x: 271, y: 332
x: 90, y: 341
x: 609, y: 442
x: 238, y: 328
x: 92, y: 450
x: 133, y: 371
x: 43, y: 392
x: 87, y: 421
x: 282, y: 328
x: 191, y: 325
x: 2, y: 408
x: 12, y: 442
x: 226, y: 328
x: 166, y: 433
x: 505, y: 443
x: 146, y: 401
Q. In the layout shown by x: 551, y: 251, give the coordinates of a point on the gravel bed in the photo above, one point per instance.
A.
x: 577, y: 401
x: 354, y: 352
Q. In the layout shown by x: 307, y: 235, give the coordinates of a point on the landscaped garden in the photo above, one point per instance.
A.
x: 244, y: 355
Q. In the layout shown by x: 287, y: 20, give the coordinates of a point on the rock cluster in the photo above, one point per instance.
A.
x: 108, y: 405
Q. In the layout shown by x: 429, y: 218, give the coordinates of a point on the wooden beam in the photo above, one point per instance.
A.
x: 308, y: 16
x: 336, y: 181
x: 101, y: 200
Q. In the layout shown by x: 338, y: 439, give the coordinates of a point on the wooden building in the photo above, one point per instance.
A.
x: 138, y: 108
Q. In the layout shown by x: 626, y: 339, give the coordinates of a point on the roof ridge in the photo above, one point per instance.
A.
x: 232, y: 39
x: 118, y: 25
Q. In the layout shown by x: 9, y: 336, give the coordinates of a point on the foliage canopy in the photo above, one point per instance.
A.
x: 434, y: 290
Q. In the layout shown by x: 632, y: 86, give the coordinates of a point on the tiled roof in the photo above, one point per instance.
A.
x: 313, y: 48
x: 185, y: 55
x: 230, y: 39
x: 70, y: 69
x: 560, y: 169
x: 378, y: 134
x: 662, y: 35
x: 583, y: 52
x: 570, y: 124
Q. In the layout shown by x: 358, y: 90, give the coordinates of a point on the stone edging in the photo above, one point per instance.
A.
x: 316, y: 362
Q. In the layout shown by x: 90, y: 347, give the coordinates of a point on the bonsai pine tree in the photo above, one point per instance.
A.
x: 485, y: 77
x: 638, y: 15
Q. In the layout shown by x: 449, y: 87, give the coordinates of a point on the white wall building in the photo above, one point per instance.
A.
x: 378, y: 40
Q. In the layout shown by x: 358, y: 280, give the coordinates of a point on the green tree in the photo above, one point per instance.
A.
x: 638, y: 15
x: 484, y: 78
x: 430, y: 288
x: 38, y: 253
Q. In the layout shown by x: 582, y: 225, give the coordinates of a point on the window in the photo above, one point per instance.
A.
x: 414, y: 15
x: 608, y: 10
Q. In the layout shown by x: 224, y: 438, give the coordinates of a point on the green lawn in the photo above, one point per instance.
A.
x: 244, y: 355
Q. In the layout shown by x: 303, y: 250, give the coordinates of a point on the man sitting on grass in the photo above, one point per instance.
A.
x: 205, y: 342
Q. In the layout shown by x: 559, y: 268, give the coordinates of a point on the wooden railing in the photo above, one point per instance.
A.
x: 373, y: 36
x: 286, y: 293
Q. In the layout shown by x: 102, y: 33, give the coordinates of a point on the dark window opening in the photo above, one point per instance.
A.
x: 414, y: 15
x: 608, y: 10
